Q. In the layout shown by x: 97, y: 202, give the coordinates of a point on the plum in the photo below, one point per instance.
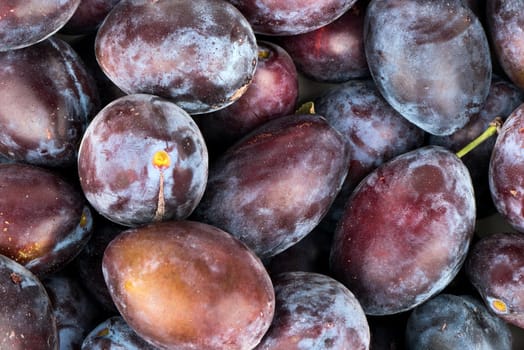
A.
x: 189, y: 285
x: 405, y: 230
x: 272, y: 187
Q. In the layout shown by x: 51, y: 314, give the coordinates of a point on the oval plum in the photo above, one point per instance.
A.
x: 273, y: 186
x: 405, y: 231
x: 188, y: 285
x: 201, y: 54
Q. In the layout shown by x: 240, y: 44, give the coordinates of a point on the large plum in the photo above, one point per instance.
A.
x: 47, y: 98
x: 272, y: 187
x: 405, y: 231
x: 188, y: 285
x: 430, y: 59
x: 143, y: 159
x: 201, y: 54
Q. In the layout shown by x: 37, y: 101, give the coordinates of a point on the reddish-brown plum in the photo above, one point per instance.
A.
x: 503, y: 98
x: 333, y: 53
x: 405, y: 231
x: 292, y: 16
x: 47, y: 97
x: 26, y: 22
x: 505, y: 20
x: 88, y: 16
x: 26, y: 312
x: 272, y: 93
x: 314, y: 311
x: 75, y: 312
x: 495, y: 267
x: 272, y: 187
x: 115, y: 334
x: 201, y: 54
x: 188, y: 285
x: 44, y: 221
x: 506, y: 170
x: 373, y: 130
x: 430, y: 60
x: 143, y: 159
x: 456, y: 322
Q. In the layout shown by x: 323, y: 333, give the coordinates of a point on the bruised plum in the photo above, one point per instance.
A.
x: 26, y: 312
x: 47, y: 98
x: 314, y: 311
x: 143, y: 159
x: 449, y: 322
x: 115, y: 334
x: 272, y: 187
x: 495, y: 267
x: 405, y: 231
x: 430, y: 59
x: 188, y: 285
x: 201, y: 54
x: 26, y: 22
x: 44, y: 221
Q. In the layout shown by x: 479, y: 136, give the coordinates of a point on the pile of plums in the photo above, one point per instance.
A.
x: 258, y: 174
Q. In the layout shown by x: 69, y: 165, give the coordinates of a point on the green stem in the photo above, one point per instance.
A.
x: 493, y: 129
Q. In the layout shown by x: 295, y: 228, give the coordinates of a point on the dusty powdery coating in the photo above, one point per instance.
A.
x: 201, y: 54
x: 141, y: 159
x: 272, y: 187
x: 506, y: 170
x: 291, y: 16
x: 505, y: 21
x: 186, y: 285
x: 47, y: 98
x: 430, y: 60
x: 26, y: 22
x: 314, y: 311
x: 495, y: 267
x: 405, y: 231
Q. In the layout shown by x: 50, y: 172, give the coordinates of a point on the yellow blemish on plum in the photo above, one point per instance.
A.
x: 104, y: 332
x: 498, y: 305
x: 161, y: 159
x: 28, y: 253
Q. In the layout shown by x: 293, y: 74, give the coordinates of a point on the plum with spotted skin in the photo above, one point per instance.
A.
x: 314, y: 311
x: 26, y: 312
x: 47, y: 98
x: 405, y: 231
x: 26, y: 22
x: 292, y: 16
x: 272, y: 187
x: 44, y: 221
x: 201, y: 54
x: 494, y: 267
x: 143, y: 159
x: 430, y: 60
x: 188, y: 285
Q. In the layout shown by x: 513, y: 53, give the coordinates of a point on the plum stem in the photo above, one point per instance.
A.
x: 493, y: 128
x: 306, y: 108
